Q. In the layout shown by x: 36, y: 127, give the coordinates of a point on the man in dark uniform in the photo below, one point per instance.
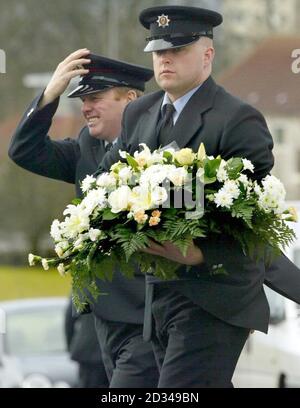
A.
x: 201, y: 322
x: 106, y: 87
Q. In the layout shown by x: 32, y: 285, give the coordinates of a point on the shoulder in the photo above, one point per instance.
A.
x: 231, y: 105
x: 144, y: 102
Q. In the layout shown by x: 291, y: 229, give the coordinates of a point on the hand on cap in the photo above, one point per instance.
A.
x: 69, y: 68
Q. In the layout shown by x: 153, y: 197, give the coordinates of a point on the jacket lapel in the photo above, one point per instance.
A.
x: 98, y: 150
x: 148, y: 126
x: 190, y: 120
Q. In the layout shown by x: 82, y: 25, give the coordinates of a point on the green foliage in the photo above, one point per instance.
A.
x: 129, y: 240
x: 243, y: 209
x: 132, y: 162
x: 107, y: 215
x: 233, y: 167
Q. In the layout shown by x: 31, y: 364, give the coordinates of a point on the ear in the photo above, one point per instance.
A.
x: 209, y: 55
x: 131, y: 95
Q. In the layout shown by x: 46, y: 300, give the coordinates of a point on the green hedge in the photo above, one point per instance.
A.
x: 25, y: 282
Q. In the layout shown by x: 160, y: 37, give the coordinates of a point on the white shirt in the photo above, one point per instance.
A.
x: 180, y: 103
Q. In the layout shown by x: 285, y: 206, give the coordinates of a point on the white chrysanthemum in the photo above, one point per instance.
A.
x: 31, y: 260
x: 60, y: 248
x: 257, y: 188
x: 231, y: 187
x: 223, y: 199
x: 119, y: 199
x: 106, y: 180
x: 81, y: 238
x: 273, y: 186
x: 155, y: 175
x: 55, y: 231
x: 45, y: 264
x: 77, y: 223
x: 94, y: 234
x: 61, y: 269
x: 70, y: 209
x: 87, y: 183
x: 94, y: 199
x: 248, y: 165
x: 222, y: 174
x: 244, y: 180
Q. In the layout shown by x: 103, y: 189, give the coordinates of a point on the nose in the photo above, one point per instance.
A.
x: 86, y: 106
x: 165, y: 56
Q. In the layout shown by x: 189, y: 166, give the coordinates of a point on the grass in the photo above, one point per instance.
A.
x: 26, y: 282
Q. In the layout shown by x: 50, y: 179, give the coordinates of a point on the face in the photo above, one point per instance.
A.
x: 178, y: 70
x: 103, y: 113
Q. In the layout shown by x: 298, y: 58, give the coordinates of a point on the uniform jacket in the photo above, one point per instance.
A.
x: 70, y: 160
x: 231, y: 128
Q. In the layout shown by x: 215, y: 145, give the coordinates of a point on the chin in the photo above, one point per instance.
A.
x: 94, y: 132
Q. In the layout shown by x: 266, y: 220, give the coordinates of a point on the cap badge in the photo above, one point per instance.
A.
x: 163, y: 21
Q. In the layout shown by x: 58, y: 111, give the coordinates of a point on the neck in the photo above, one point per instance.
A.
x: 176, y: 95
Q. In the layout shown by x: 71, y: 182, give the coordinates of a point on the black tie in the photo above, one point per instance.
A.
x: 108, y: 147
x: 166, y: 124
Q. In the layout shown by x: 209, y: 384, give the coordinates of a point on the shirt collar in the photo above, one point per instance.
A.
x: 180, y: 103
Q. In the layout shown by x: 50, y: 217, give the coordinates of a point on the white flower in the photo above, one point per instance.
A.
x: 106, y: 180
x: 248, y: 165
x: 87, y: 183
x: 222, y: 174
x: 223, y: 199
x: 55, y: 231
x: 94, y: 234
x: 140, y: 198
x: 155, y: 174
x: 185, y: 156
x: 272, y: 185
x: 123, y: 154
x: 77, y: 222
x: 119, y: 199
x: 231, y: 187
x: 78, y: 244
x: 158, y: 196
x: 31, y: 260
x: 95, y: 198
x: 244, y: 180
x: 45, y: 264
x: 61, y: 269
x: 178, y: 176
x: 143, y: 158
x: 125, y: 174
x: 59, y: 251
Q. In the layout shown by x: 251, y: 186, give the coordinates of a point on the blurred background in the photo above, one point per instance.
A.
x: 256, y: 46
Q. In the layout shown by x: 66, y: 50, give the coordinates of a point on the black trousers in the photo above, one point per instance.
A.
x: 92, y: 376
x: 128, y: 360
x: 192, y: 347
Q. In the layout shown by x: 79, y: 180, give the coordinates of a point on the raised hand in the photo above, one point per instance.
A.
x: 69, y: 68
